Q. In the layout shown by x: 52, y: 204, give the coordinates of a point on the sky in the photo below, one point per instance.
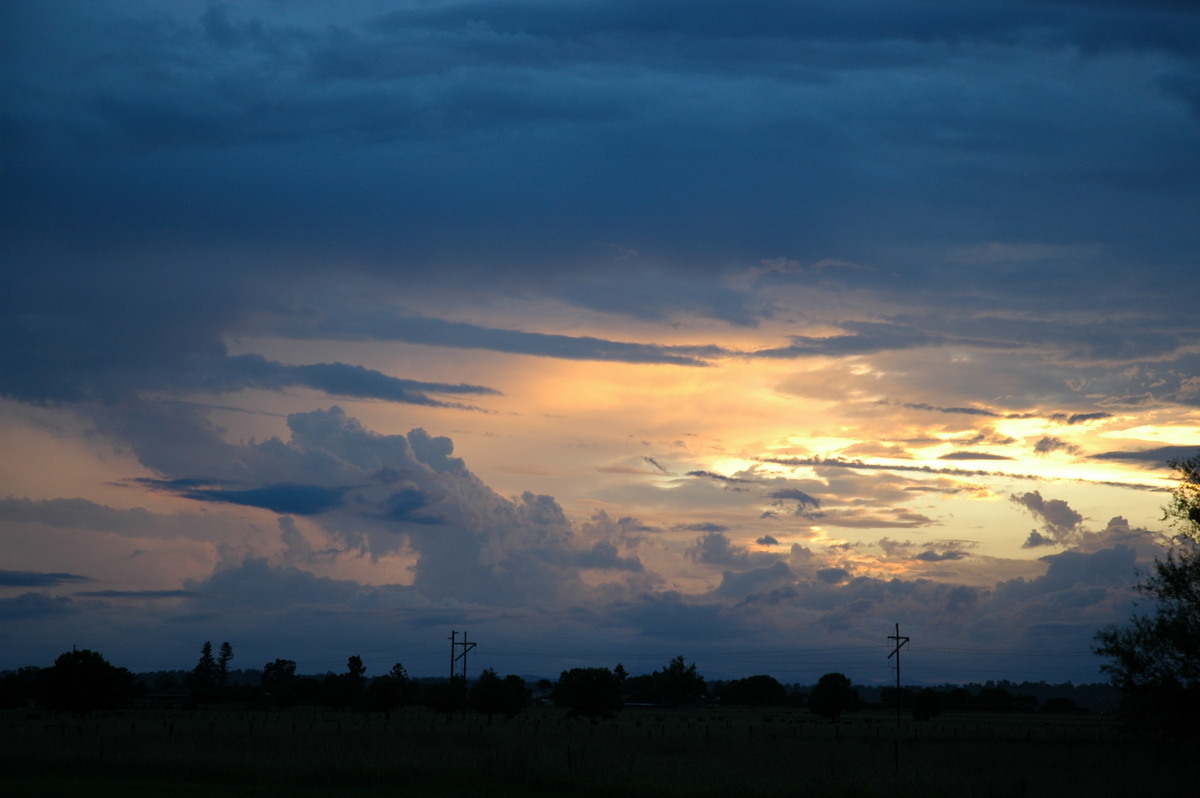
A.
x: 603, y: 331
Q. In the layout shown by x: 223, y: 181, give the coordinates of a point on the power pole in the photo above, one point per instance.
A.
x: 455, y: 644
x: 900, y: 641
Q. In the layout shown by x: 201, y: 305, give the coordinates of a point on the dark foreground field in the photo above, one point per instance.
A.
x: 692, y: 752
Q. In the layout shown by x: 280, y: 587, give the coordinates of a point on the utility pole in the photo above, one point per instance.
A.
x: 900, y: 641
x: 455, y: 644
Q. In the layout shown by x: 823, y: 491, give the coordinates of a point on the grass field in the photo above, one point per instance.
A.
x: 643, y: 752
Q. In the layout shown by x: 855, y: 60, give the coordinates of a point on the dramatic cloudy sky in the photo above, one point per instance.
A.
x: 603, y: 330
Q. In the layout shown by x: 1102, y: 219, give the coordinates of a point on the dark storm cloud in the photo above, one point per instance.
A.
x: 1072, y: 570
x: 28, y: 606
x: 504, y: 143
x: 462, y: 335
x: 994, y: 21
x: 339, y: 379
x: 833, y: 576
x: 1158, y: 457
x: 76, y: 514
x: 37, y: 579
x: 285, y: 498
x: 66, y: 351
x: 172, y: 174
x: 866, y: 337
x: 257, y: 584
x: 179, y: 176
x: 655, y: 294
x: 672, y: 616
x: 136, y: 594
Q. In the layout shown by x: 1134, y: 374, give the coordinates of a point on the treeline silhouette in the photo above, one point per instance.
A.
x: 83, y: 681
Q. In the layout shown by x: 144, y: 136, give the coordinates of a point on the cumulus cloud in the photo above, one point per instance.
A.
x: 833, y: 576
x: 930, y: 555
x: 715, y: 548
x: 535, y: 218
x: 1060, y: 522
x: 255, y: 583
x: 386, y: 494
x: 78, y: 514
x: 1037, y: 539
x: 603, y: 555
x: 739, y: 584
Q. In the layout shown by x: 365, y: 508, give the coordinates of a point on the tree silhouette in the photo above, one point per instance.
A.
x: 1155, y: 659
x: 927, y: 705
x: 81, y: 681
x: 832, y: 696
x: 591, y: 692
x: 278, y: 672
x: 492, y: 695
x: 203, y: 678
x: 355, y: 670
x: 390, y: 691
x: 446, y: 696
x: 19, y: 687
x: 279, y: 682
x: 342, y: 690
x: 753, y: 691
x: 678, y: 684
x: 223, y: 660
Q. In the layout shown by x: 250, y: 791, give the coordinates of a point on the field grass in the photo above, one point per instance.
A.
x: 643, y: 752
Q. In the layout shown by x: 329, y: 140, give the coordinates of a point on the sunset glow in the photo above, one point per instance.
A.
x: 327, y: 330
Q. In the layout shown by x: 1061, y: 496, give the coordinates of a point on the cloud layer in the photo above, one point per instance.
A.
x: 783, y: 322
